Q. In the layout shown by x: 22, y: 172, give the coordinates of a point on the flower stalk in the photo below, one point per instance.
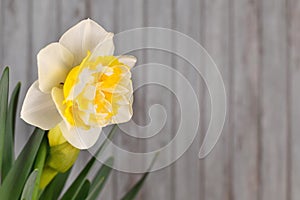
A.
x: 39, y: 165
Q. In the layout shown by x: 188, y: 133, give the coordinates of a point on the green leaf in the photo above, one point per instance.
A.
x: 12, y: 109
x: 84, y: 191
x: 9, y: 156
x: 69, y: 194
x: 39, y: 165
x: 14, y: 182
x: 100, y: 179
x: 137, y: 187
x: 4, y: 86
x: 53, y: 190
x: 29, y: 186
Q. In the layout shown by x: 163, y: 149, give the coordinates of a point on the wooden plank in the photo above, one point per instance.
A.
x: 124, y: 21
x: 217, y: 41
x: 72, y: 11
x: 245, y: 100
x: 273, y: 100
x: 16, y: 52
x: 45, y: 27
x: 188, y: 170
x: 160, y: 184
x: 293, y: 78
x: 104, y: 12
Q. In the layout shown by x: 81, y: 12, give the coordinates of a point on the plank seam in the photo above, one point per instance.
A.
x: 288, y: 104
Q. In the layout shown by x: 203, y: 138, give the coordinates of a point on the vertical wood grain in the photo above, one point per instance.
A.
x: 160, y: 184
x: 218, y: 43
x: 188, y: 177
x: 293, y: 77
x: 123, y: 22
x: 72, y: 11
x: 245, y: 99
x: 16, y: 49
x: 45, y: 27
x: 104, y: 12
x: 256, y: 46
x: 273, y: 100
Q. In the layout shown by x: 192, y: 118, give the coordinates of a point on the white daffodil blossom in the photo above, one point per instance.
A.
x: 81, y: 86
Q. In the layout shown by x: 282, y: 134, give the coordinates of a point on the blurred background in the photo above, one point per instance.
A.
x: 255, y: 44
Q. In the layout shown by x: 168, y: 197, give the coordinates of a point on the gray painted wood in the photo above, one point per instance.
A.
x: 16, y: 53
x: 123, y: 22
x: 188, y: 170
x: 122, y: 182
x: 217, y: 37
x: 245, y: 100
x: 162, y: 10
x: 256, y: 47
x: 273, y: 100
x: 293, y: 78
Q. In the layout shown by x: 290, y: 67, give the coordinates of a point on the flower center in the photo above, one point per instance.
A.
x: 92, y: 91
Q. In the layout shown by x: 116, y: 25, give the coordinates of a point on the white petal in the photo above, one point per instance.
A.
x: 39, y: 110
x: 104, y: 48
x: 83, y: 37
x: 127, y: 60
x: 54, y: 64
x: 124, y: 114
x: 79, y: 138
x: 58, y: 98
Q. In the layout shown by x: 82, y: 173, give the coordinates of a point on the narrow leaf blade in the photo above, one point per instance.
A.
x: 4, y: 86
x: 29, y: 186
x: 14, y: 182
x: 69, y: 194
x: 84, y: 191
x: 54, y: 189
x: 9, y: 155
x: 78, y: 182
x: 137, y: 187
x: 100, y: 179
x: 39, y: 165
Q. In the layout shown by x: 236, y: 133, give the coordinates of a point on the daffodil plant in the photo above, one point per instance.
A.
x: 81, y: 88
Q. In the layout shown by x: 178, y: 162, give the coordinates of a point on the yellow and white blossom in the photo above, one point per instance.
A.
x: 81, y: 86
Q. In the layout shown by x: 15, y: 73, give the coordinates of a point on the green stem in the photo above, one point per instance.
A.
x: 39, y: 164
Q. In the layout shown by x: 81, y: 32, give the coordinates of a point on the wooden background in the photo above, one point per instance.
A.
x: 256, y: 45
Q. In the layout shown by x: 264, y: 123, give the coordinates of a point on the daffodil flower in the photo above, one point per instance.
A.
x: 81, y: 86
